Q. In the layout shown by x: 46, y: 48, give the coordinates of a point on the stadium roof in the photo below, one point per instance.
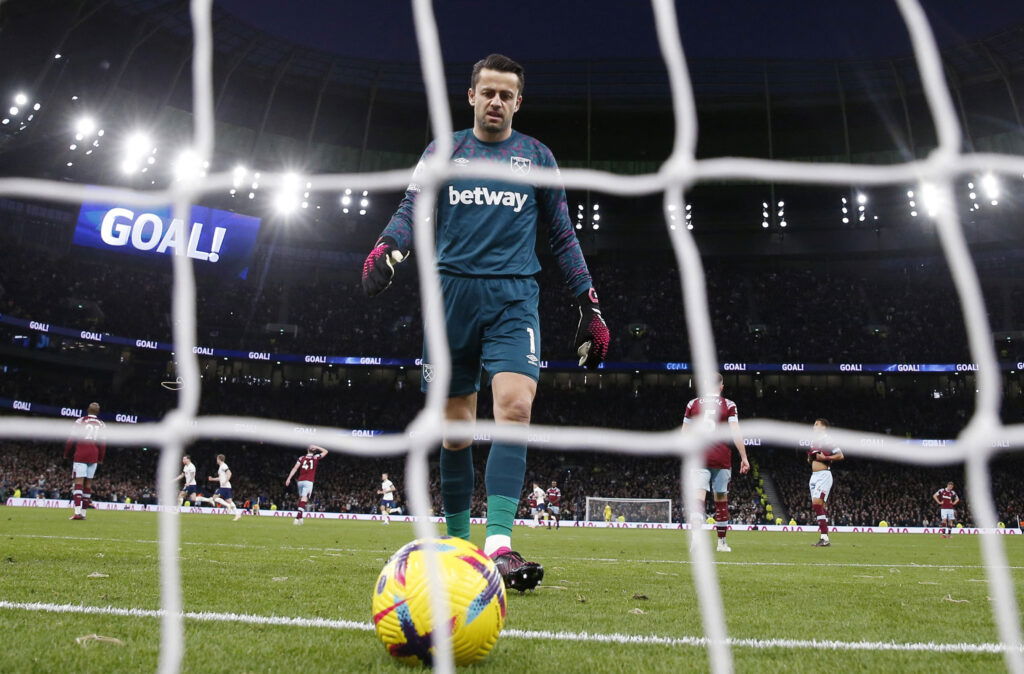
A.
x: 611, y: 47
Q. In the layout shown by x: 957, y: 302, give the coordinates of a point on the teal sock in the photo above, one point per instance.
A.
x: 457, y: 489
x: 501, y: 513
x: 506, y: 469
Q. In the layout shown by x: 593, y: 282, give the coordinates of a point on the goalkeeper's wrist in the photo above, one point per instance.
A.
x: 588, y: 299
x: 386, y: 241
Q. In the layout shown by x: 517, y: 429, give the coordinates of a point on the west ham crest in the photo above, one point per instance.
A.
x: 521, y: 165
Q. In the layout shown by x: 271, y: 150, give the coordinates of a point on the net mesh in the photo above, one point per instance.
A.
x: 644, y: 510
x: 975, y: 447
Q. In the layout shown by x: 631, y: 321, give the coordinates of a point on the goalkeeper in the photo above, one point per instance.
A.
x: 486, y: 236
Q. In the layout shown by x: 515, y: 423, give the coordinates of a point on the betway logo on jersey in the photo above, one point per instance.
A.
x: 484, y: 196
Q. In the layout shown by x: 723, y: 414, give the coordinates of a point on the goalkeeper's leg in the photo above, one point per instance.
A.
x: 457, y: 477
x: 506, y: 464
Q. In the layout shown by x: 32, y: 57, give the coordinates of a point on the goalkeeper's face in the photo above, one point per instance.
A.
x: 495, y: 99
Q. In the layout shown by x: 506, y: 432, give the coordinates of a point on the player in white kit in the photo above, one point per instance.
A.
x: 224, y: 493
x: 537, y: 499
x: 190, y: 489
x: 387, y: 497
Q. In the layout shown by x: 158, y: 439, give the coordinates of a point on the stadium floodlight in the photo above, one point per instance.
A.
x: 84, y: 127
x: 14, y: 111
x: 782, y: 204
x: 346, y: 200
x: 136, y: 146
x: 57, y: 56
x: 5, y: 121
x: 597, y: 226
x: 764, y: 224
x: 362, y: 211
x: 782, y: 223
x: 364, y: 202
x: 580, y: 226
x: 286, y: 200
x: 238, y: 175
x: 990, y: 186
x: 188, y: 166
x: 20, y: 98
x: 862, y: 198
x: 931, y: 199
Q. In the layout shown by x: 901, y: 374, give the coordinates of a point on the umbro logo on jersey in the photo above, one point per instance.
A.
x: 521, y: 165
x: 461, y: 161
x: 484, y: 196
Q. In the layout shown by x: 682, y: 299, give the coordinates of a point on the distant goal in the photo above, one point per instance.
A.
x: 646, y: 510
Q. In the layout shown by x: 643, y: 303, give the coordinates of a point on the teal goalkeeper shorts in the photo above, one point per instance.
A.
x: 493, y: 325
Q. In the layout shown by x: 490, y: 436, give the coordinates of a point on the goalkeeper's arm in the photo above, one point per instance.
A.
x: 395, y: 241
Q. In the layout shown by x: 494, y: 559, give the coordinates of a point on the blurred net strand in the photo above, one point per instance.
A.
x: 975, y: 445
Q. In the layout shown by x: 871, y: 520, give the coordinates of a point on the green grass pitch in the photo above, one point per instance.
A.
x: 908, y: 589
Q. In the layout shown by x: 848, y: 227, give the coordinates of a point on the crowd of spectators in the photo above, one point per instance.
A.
x: 347, y: 484
x: 868, y: 492
x: 759, y: 314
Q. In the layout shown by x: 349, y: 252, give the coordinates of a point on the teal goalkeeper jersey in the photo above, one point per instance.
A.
x: 488, y: 228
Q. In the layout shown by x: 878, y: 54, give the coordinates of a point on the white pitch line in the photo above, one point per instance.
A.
x: 607, y: 560
x: 541, y: 635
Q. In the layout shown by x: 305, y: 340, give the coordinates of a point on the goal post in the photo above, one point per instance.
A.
x: 646, y: 510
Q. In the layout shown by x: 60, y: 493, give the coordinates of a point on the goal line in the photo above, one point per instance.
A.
x: 533, y: 635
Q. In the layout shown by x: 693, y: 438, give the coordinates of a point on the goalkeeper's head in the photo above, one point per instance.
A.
x: 495, y: 93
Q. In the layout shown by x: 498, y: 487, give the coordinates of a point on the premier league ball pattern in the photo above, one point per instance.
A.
x: 401, y: 602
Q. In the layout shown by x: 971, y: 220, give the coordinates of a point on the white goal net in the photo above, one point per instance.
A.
x: 975, y: 446
x: 642, y: 510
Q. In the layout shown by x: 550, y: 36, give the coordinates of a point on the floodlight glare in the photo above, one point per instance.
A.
x: 765, y: 224
x: 782, y: 224
x: 781, y: 204
x: 188, y: 166
x: 85, y: 126
x: 862, y: 198
x: 285, y: 203
x: 13, y: 110
x: 346, y: 200
x: 20, y: 98
x: 990, y: 185
x: 364, y: 202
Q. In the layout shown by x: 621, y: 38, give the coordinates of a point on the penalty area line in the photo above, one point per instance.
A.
x: 539, y: 635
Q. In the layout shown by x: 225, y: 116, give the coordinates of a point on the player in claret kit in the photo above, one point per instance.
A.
x: 821, y: 455
x: 306, y: 467
x: 554, y: 498
x: 947, y: 500
x: 86, y: 448
x: 710, y: 411
x: 486, y: 231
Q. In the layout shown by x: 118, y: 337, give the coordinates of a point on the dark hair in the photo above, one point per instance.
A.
x: 825, y: 422
x: 221, y: 457
x: 502, y: 64
x: 186, y: 456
